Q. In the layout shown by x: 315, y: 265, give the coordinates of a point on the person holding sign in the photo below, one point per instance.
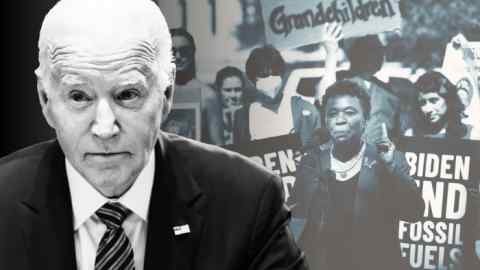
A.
x: 439, y: 110
x: 276, y: 112
x: 353, y: 193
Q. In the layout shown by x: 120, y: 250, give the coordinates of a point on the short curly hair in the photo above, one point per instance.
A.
x: 347, y: 88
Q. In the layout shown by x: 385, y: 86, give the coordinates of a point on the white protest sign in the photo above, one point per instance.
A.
x: 475, y: 46
x: 293, y: 23
x: 461, y: 65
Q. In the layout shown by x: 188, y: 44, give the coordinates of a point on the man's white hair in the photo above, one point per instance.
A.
x: 101, y: 27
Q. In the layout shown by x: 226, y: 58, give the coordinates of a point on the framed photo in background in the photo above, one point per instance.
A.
x: 184, y: 119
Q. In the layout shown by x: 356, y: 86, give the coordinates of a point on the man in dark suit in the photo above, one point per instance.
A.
x: 351, y: 193
x: 112, y: 191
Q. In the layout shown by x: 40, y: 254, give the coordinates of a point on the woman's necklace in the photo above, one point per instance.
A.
x: 346, y: 170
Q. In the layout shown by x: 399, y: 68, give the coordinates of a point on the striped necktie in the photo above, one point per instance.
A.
x: 114, y: 251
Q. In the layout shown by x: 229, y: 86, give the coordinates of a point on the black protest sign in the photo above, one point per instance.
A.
x: 448, y: 173
x: 278, y: 154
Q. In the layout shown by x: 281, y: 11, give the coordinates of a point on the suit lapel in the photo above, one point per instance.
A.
x: 176, y: 202
x: 367, y: 182
x: 48, y: 222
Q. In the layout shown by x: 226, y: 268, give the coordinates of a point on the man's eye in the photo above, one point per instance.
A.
x: 79, y: 96
x: 129, y: 94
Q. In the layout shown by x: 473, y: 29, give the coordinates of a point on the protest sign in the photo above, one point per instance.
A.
x: 462, y: 69
x: 447, y: 174
x: 278, y: 154
x: 291, y: 23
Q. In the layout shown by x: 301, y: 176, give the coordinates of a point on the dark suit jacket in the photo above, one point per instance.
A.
x: 234, y: 209
x: 383, y: 197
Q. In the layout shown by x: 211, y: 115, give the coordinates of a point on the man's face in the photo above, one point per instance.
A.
x: 107, y: 112
x: 433, y: 107
x: 232, y: 92
x: 183, y: 52
x: 345, y: 119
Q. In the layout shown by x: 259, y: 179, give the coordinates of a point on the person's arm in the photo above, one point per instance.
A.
x: 331, y: 33
x: 403, y: 194
x: 272, y: 245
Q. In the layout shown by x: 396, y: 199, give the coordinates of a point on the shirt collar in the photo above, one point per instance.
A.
x: 137, y: 198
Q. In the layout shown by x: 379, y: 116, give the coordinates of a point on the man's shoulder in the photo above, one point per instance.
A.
x: 215, y: 167
x: 18, y: 168
x: 25, y: 157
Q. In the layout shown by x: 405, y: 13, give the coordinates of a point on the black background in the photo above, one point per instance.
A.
x: 23, y: 123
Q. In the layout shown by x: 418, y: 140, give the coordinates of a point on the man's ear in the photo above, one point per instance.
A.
x: 169, y: 92
x: 44, y: 101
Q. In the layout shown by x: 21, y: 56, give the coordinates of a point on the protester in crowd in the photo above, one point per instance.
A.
x: 367, y: 56
x: 438, y: 110
x: 276, y: 112
x: 188, y: 86
x: 231, y: 89
x: 113, y: 191
x: 353, y: 193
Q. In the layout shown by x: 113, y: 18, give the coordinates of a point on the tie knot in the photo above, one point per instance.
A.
x: 113, y: 214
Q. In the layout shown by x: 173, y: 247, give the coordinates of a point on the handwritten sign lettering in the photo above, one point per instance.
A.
x: 290, y: 23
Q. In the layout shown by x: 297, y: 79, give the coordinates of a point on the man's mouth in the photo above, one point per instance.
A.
x: 104, y: 156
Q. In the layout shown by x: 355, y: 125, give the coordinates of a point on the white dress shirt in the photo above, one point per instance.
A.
x: 88, y: 229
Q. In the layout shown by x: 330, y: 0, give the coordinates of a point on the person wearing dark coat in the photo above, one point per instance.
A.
x: 352, y: 194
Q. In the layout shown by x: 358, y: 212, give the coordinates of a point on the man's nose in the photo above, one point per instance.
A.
x: 105, y: 124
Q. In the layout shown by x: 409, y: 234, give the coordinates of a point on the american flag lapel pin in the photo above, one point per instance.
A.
x: 181, y: 229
